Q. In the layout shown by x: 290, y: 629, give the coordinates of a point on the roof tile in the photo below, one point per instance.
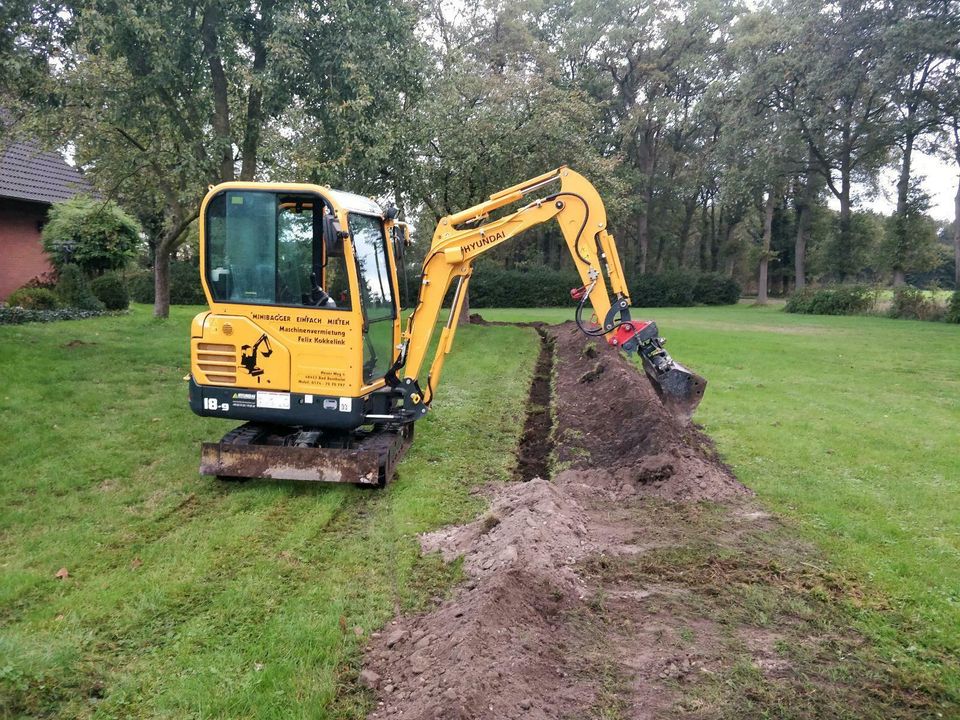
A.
x: 29, y: 173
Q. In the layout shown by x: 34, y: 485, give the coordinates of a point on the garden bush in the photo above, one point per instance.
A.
x: 833, y: 300
x: 912, y: 304
x: 110, y: 290
x: 185, y: 288
x: 33, y: 298
x: 953, y: 309
x: 717, y: 289
x: 19, y: 315
x: 543, y: 287
x: 93, y: 234
x: 73, y: 290
x: 540, y: 287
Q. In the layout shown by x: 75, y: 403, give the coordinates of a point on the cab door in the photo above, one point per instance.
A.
x: 377, y: 294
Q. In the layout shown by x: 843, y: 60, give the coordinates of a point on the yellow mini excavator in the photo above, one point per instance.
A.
x: 303, y: 339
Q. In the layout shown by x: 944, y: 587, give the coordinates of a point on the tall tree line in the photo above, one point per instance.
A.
x: 719, y: 134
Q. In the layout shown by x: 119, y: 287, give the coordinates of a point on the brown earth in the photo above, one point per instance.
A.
x: 641, y: 581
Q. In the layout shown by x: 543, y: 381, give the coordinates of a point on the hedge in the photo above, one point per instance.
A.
x: 33, y: 298
x: 542, y: 287
x: 909, y: 303
x: 953, y: 309
x: 19, y: 315
x: 73, y: 290
x: 111, y: 291
x: 185, y: 288
x: 832, y: 300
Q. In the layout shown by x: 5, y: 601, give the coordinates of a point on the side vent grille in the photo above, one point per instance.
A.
x: 218, y: 362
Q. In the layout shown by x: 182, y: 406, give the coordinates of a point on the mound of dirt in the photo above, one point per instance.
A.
x: 498, y: 649
x: 507, y: 644
x: 609, y: 419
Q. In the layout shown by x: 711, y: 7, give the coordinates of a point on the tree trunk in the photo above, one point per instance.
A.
x: 804, y: 201
x: 846, y: 223
x: 800, y: 245
x: 704, y: 240
x: 690, y: 207
x: 956, y: 238
x: 220, y: 122
x: 643, y: 243
x: 464, y: 318
x: 161, y: 283
x: 900, y: 227
x: 714, y: 237
x: 161, y: 264
x: 765, y: 250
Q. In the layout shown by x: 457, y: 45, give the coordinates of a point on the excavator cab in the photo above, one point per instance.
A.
x: 303, y: 340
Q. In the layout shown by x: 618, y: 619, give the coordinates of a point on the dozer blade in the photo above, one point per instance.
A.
x: 276, y: 462
x: 371, y: 462
x: 679, y: 390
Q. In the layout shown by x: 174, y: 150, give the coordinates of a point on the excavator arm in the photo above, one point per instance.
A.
x: 463, y: 237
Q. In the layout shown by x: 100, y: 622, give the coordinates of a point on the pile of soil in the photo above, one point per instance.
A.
x: 610, y: 422
x: 514, y: 641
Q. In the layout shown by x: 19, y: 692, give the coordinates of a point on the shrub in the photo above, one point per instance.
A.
x: 543, y: 287
x: 33, y: 298
x: 835, y: 300
x: 953, y: 309
x: 110, y: 290
x: 140, y: 285
x: 717, y: 289
x: 47, y: 280
x: 912, y: 304
x: 185, y: 287
x: 539, y: 287
x: 19, y: 315
x: 94, y: 235
x: 73, y: 291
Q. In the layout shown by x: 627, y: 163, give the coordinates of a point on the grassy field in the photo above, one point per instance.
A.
x: 188, y: 597
x: 849, y: 427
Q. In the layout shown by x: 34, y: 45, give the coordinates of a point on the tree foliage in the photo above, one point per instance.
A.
x: 726, y: 137
x: 94, y: 235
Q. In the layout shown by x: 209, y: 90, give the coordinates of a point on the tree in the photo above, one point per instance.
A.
x: 161, y: 100
x: 493, y: 117
x: 920, y: 38
x: 834, y: 92
x: 948, y: 145
x: 93, y: 235
x: 909, y: 242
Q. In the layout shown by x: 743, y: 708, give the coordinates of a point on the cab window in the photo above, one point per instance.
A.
x: 376, y: 293
x: 264, y: 248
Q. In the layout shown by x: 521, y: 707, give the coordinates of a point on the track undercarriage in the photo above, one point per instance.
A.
x: 258, y: 450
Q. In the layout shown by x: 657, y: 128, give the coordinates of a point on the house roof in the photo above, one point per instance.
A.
x: 28, y: 172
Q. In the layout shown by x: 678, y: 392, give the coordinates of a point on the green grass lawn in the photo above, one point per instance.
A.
x: 850, y: 427
x: 188, y: 597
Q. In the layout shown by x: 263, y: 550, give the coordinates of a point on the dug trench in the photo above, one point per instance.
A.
x: 639, y: 579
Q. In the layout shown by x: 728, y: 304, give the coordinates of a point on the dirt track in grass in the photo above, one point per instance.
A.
x: 640, y: 581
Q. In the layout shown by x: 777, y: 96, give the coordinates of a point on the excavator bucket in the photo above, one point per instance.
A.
x: 256, y: 451
x: 679, y: 389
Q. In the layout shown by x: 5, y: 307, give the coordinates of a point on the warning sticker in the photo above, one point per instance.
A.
x: 273, y: 400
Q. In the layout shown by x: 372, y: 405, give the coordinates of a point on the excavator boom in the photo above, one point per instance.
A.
x: 577, y: 207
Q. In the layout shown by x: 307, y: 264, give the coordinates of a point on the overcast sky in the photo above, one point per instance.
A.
x: 939, y: 181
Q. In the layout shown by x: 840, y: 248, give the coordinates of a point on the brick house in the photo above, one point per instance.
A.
x: 31, y: 180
